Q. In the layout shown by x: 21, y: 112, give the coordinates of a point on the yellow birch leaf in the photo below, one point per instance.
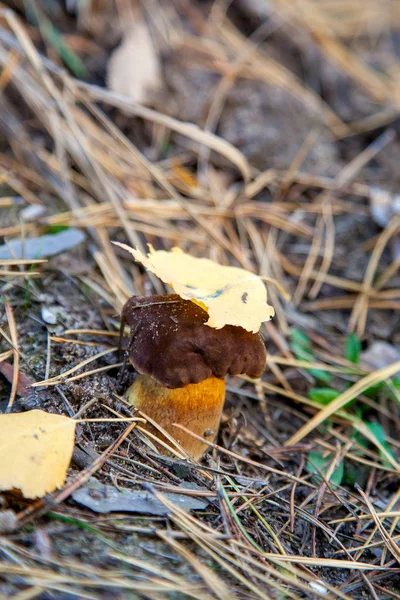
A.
x: 230, y: 295
x: 35, y: 450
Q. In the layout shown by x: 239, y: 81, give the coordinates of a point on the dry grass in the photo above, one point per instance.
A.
x: 273, y: 530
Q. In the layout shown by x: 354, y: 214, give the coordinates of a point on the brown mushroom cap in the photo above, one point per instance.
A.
x: 171, y: 343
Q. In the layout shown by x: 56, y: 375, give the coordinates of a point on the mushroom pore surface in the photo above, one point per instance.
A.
x: 171, y: 343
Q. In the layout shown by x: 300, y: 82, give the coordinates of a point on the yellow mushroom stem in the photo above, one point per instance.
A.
x: 197, y: 406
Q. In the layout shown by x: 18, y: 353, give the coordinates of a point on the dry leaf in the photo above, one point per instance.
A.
x: 35, y: 450
x: 230, y: 295
x: 134, y: 67
x: 7, y: 370
x: 106, y: 498
x: 44, y: 245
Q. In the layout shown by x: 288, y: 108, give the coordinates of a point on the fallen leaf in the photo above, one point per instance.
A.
x: 45, y: 245
x: 105, y: 498
x: 7, y: 370
x: 230, y: 295
x: 36, y: 449
x: 134, y: 67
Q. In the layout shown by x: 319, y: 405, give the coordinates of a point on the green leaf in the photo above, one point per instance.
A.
x: 300, y: 338
x: 323, y: 395
x: 322, y: 462
x: 373, y: 391
x: 56, y: 228
x: 389, y: 450
x: 353, y: 348
x: 379, y: 434
x: 300, y: 345
x: 55, y: 39
x: 359, y: 439
x: 302, y: 353
x: 396, y: 382
x: 323, y: 376
x: 70, y: 58
x: 355, y: 473
x: 377, y: 431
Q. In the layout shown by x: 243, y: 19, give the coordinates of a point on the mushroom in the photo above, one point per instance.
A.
x: 182, y: 363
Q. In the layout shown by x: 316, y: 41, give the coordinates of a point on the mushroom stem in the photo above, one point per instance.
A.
x: 197, y: 406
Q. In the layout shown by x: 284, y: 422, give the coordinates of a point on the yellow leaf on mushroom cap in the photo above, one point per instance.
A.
x: 230, y: 295
x: 35, y: 450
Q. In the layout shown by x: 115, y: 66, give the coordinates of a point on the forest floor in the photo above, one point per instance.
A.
x: 291, y: 171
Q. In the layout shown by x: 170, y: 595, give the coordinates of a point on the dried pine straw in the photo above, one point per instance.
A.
x: 273, y: 528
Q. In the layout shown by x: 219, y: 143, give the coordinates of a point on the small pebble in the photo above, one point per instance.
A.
x: 48, y: 316
x: 32, y: 212
x: 8, y: 521
x: 318, y: 587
